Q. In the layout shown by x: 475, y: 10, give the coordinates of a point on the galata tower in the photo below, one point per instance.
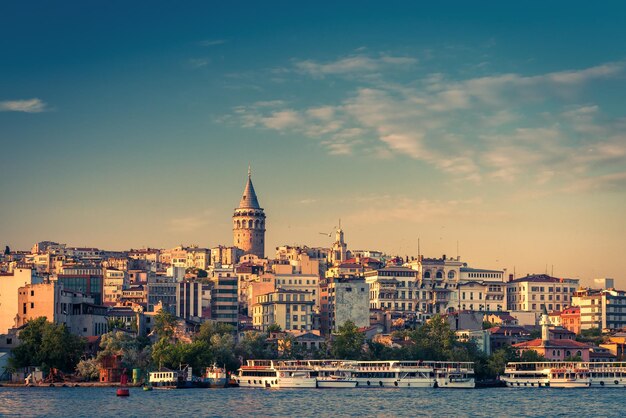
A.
x: 249, y: 222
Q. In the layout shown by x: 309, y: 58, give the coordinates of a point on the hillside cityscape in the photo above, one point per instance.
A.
x: 145, y: 308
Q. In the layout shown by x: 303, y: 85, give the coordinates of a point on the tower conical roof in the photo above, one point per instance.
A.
x: 249, y: 199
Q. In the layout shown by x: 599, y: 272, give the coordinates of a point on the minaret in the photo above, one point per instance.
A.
x: 545, y: 328
x: 249, y: 222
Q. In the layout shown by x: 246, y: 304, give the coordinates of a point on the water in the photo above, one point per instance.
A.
x: 242, y: 402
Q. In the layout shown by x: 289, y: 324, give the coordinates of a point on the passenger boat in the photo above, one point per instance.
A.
x: 295, y: 378
x: 259, y: 374
x: 569, y: 377
x: 527, y: 374
x: 336, y: 382
x: 455, y: 375
x: 607, y: 374
x: 165, y: 378
x: 390, y: 374
x: 215, y: 377
x: 579, y: 374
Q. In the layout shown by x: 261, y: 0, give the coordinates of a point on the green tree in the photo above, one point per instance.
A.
x: 113, y: 323
x: 210, y: 328
x: 498, y: 360
x: 165, y: 324
x: 348, y: 342
x: 434, y: 340
x: 531, y: 356
x: 253, y: 345
x: 88, y: 369
x: 7, y: 250
x: 273, y: 328
x: 47, y: 345
x: 134, y: 351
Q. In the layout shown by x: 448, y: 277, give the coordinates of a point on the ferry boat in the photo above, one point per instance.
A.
x: 455, y: 375
x: 337, y: 380
x: 585, y: 374
x: 165, y: 378
x: 570, y: 377
x: 295, y: 378
x: 390, y: 374
x: 215, y: 377
x: 258, y: 374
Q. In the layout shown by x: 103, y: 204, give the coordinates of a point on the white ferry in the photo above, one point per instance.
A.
x: 570, y: 377
x: 336, y: 381
x: 294, y: 377
x: 455, y: 375
x: 258, y: 374
x: 389, y: 374
x: 607, y: 374
x: 527, y: 374
x: 579, y: 374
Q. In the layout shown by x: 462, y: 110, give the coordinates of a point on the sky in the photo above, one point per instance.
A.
x: 490, y: 130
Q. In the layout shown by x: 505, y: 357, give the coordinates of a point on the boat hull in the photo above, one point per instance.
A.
x: 336, y: 384
x: 300, y: 383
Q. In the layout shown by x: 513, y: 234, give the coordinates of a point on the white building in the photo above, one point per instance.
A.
x: 537, y: 292
x: 604, y: 309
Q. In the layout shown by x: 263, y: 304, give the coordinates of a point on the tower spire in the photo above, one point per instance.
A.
x: 249, y: 171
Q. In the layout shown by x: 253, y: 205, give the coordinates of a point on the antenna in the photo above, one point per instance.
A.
x: 249, y: 171
x: 418, y: 248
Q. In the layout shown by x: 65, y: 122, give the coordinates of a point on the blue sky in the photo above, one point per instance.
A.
x: 495, y: 125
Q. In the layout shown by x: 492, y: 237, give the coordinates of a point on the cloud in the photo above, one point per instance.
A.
x: 354, y: 64
x: 212, y: 42
x: 190, y: 223
x: 493, y: 128
x: 28, y: 106
x: 198, y: 62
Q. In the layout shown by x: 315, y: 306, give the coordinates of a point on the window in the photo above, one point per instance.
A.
x: 295, y: 318
x: 451, y: 274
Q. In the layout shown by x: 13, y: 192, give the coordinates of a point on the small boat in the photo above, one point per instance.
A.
x: 215, y: 377
x: 336, y: 382
x: 147, y: 387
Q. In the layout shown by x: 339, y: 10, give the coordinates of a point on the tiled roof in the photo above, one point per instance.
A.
x: 552, y: 343
x: 538, y: 278
x: 249, y: 199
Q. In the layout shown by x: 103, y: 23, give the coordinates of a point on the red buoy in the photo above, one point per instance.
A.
x: 123, y: 392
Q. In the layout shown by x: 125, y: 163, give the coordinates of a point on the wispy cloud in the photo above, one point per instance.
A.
x: 353, y: 64
x: 190, y: 223
x: 503, y: 127
x: 28, y: 106
x: 212, y: 42
x: 195, y: 63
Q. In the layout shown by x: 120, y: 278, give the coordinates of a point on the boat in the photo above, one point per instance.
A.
x: 147, y: 387
x: 398, y: 374
x: 455, y: 375
x: 570, y: 377
x: 215, y: 377
x: 295, y: 378
x: 527, y: 374
x: 607, y: 374
x: 335, y: 381
x: 258, y: 374
x: 565, y: 374
x: 165, y: 378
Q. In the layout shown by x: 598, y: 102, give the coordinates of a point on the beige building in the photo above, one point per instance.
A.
x: 199, y: 258
x: 308, y: 283
x: 225, y: 256
x: 114, y: 282
x: 249, y: 223
x: 604, y: 309
x: 74, y: 309
x: 534, y: 293
x: 9, y: 286
x: 393, y: 289
x: 289, y: 309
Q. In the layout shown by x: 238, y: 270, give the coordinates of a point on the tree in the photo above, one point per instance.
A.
x: 113, y: 323
x: 531, y: 356
x: 348, y: 342
x: 7, y: 250
x: 133, y: 350
x: 253, y: 345
x: 47, y: 345
x: 165, y: 324
x: 273, y: 328
x: 498, y: 360
x: 210, y: 328
x: 88, y: 369
x: 434, y: 340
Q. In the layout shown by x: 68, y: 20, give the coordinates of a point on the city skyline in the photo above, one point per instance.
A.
x: 499, y: 135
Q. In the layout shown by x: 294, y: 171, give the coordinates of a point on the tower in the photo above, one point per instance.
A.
x: 339, y: 251
x: 249, y: 222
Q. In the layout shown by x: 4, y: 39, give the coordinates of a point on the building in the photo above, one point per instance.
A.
x: 162, y: 292
x: 249, y: 223
x: 289, y: 309
x: 86, y: 279
x: 224, y: 296
x: 114, y: 282
x: 570, y: 319
x: 192, y: 300
x: 555, y: 348
x: 604, y: 309
x: 198, y: 258
x: 225, y: 256
x: 301, y: 282
x: 393, y: 288
x: 348, y: 300
x: 9, y: 286
x: 537, y: 292
x: 71, y: 308
x: 339, y: 251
